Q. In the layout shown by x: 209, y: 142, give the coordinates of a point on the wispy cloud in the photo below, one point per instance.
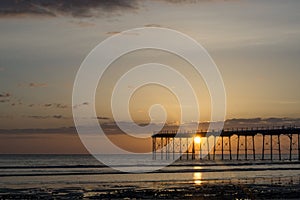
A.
x: 6, y: 94
x: 50, y: 105
x: 82, y: 104
x: 5, y: 97
x: 82, y: 23
x: 113, y: 32
x: 46, y: 117
x: 103, y: 118
x: 56, y: 105
x: 152, y: 25
x: 37, y: 84
x: 78, y: 8
x: 4, y: 100
x: 61, y: 130
x: 32, y: 85
x: 125, y: 33
x: 259, y: 122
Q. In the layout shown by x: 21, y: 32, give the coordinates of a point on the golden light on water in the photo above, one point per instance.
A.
x: 197, y: 178
x: 197, y: 140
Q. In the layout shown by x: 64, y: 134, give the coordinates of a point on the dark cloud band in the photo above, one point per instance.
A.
x: 75, y: 8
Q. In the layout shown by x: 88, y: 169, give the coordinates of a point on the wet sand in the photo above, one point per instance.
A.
x: 179, y: 191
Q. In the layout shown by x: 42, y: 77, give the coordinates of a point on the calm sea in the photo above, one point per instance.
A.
x: 84, y: 171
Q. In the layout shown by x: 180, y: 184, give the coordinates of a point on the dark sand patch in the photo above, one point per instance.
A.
x: 180, y: 191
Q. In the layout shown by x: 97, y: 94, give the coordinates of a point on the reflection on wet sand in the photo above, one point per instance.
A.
x: 197, y: 176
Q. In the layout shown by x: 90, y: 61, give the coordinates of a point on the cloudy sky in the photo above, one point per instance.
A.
x: 255, y: 44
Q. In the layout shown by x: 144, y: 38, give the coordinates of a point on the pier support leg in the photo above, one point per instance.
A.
x: 229, y: 143
x: 222, y: 146
x: 162, y: 147
x: 173, y: 145
x: 263, y: 148
x: 238, y: 148
x: 291, y: 146
x: 253, y: 147
x: 167, y: 148
x: 279, y: 149
x: 200, y: 150
x: 193, y: 149
x: 246, y: 150
x: 214, y: 155
x: 154, y: 148
x: 208, y: 153
x: 187, y: 148
x: 298, y: 146
x: 271, y: 146
x: 180, y: 150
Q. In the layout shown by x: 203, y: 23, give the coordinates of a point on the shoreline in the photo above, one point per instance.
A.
x: 205, y: 190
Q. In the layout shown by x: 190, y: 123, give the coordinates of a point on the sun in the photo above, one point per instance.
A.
x: 197, y: 140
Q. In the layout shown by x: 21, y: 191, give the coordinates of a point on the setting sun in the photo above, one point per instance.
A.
x: 197, y: 140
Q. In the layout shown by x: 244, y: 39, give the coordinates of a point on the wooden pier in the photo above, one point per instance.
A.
x: 228, y: 144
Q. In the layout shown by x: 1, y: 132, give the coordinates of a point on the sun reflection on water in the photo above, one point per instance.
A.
x: 197, y: 176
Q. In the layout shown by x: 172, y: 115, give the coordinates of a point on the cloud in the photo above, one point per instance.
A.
x: 46, y: 117
x: 113, y: 32
x: 61, y: 130
x: 112, y: 128
x: 83, y: 23
x: 75, y: 8
x: 261, y: 122
x: 32, y: 85
x: 38, y: 117
x: 37, y: 84
x: 119, y: 32
x: 50, y: 105
x: 57, y: 116
x: 103, y: 118
x: 4, y: 100
x: 152, y: 25
x: 194, y: 1
x: 5, y: 97
x: 82, y: 104
x: 58, y: 105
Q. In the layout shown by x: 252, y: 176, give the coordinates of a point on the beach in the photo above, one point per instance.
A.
x: 83, y: 177
x: 222, y: 190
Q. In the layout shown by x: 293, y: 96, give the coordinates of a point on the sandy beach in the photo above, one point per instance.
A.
x: 65, y: 177
x: 180, y: 191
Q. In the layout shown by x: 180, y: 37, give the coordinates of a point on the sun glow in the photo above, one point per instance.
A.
x: 197, y: 140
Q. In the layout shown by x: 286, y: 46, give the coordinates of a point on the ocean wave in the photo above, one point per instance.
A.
x: 166, y: 170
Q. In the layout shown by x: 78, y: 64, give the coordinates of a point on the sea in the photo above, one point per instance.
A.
x: 85, y: 177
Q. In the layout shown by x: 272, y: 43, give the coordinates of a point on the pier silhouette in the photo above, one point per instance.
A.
x: 250, y: 144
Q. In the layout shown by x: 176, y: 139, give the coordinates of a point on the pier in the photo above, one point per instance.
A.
x: 264, y: 143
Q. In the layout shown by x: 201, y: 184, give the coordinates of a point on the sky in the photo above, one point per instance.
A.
x: 254, y: 43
